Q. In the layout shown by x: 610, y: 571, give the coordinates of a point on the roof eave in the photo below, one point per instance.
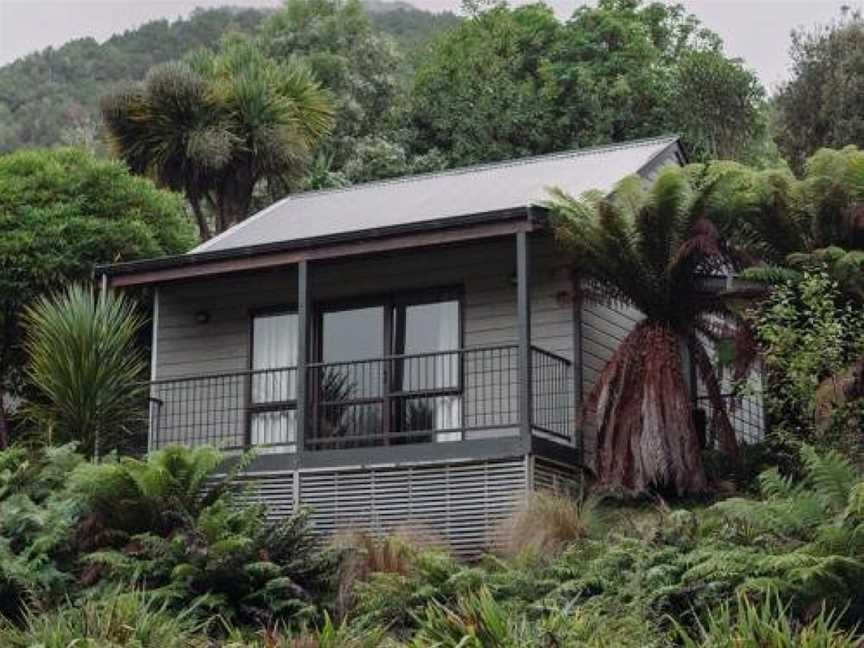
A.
x: 527, y: 214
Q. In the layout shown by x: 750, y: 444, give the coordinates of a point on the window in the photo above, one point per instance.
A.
x: 273, y: 383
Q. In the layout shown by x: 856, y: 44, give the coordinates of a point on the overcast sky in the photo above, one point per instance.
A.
x: 757, y: 31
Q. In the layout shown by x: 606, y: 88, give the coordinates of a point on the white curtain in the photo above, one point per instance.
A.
x: 274, y: 361
x: 447, y: 408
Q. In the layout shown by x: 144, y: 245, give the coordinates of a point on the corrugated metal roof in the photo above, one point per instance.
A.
x: 434, y: 196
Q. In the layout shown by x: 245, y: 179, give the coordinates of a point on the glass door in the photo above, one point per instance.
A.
x: 389, y: 371
x: 428, y: 378
x: 273, y: 383
x: 349, y: 403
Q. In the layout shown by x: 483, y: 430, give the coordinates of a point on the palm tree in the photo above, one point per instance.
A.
x: 218, y: 126
x: 651, y: 248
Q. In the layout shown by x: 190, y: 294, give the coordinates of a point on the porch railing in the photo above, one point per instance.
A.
x: 428, y: 397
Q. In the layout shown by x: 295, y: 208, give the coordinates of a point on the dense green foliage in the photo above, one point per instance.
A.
x: 52, y: 97
x: 821, y: 104
x: 512, y: 82
x: 77, y: 530
x: 809, y: 337
x: 61, y: 212
x: 204, y: 568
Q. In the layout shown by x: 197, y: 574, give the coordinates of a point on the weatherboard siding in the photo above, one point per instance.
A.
x: 485, y: 270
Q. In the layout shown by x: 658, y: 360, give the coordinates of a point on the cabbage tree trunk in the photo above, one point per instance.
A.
x: 646, y: 435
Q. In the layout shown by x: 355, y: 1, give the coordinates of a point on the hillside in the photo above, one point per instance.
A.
x: 52, y: 96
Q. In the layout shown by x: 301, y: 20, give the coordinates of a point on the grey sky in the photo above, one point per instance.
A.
x: 757, y: 31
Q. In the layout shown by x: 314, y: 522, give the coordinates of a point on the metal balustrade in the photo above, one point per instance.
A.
x: 439, y: 397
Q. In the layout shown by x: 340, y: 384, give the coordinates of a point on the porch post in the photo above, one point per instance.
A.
x: 523, y: 305
x: 302, y: 352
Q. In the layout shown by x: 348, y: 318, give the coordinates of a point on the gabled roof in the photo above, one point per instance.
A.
x: 444, y: 196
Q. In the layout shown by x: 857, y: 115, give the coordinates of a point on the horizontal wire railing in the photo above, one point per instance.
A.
x: 426, y: 397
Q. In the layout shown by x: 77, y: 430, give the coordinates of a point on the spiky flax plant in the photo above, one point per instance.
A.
x: 84, y: 367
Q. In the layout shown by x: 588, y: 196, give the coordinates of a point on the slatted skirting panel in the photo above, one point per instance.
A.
x: 274, y: 490
x: 556, y: 478
x: 460, y: 502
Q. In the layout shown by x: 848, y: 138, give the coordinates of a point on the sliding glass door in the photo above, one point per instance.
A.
x: 389, y: 371
x: 349, y: 407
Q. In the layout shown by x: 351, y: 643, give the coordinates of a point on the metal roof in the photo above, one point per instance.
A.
x: 463, y: 192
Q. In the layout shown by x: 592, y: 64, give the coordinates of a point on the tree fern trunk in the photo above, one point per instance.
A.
x: 646, y: 436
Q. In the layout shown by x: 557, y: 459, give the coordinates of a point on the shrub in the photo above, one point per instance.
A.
x: 546, y: 525
x: 363, y: 553
x: 393, y: 600
x: 156, y: 524
x: 37, y: 526
x: 329, y: 635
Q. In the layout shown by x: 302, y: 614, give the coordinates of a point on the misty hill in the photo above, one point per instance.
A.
x: 52, y: 96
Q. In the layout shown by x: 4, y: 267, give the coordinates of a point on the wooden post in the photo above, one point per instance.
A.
x: 523, y: 305
x: 301, y: 415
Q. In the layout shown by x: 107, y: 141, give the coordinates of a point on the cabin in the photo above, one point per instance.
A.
x: 409, y: 351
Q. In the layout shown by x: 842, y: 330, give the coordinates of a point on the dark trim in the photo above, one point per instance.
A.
x: 523, y: 307
x: 350, y: 239
x: 658, y: 159
x: 394, y: 455
x: 302, y: 417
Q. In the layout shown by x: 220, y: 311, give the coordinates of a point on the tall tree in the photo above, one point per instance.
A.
x: 627, y: 52
x: 220, y: 125
x: 62, y: 211
x: 356, y: 63
x: 719, y: 108
x: 486, y: 91
x: 823, y: 103
x: 650, y: 248
x: 511, y: 82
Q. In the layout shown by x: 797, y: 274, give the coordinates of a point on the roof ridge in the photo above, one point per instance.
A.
x: 501, y: 164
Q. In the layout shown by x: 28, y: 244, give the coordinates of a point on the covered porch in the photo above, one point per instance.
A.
x: 416, y: 355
